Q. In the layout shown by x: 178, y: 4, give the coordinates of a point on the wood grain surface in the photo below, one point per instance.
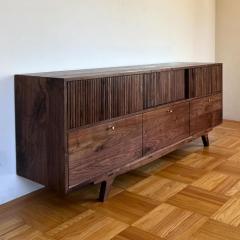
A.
x: 191, y: 194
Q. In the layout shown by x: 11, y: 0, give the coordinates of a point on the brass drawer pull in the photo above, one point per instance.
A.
x: 170, y: 111
x: 209, y: 100
x: 111, y: 128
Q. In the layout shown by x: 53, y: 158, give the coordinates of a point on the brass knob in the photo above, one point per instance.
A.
x: 111, y: 128
x: 170, y: 111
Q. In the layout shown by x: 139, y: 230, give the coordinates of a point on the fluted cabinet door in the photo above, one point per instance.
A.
x: 88, y: 102
x: 126, y: 95
x: 163, y: 87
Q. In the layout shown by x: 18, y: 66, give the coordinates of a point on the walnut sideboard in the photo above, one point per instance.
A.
x: 89, y: 126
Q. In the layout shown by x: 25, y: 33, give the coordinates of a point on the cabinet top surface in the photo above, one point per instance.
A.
x: 114, y: 71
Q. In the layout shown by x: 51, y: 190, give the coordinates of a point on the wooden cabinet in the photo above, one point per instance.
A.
x: 89, y: 126
x: 101, y: 149
x: 165, y: 126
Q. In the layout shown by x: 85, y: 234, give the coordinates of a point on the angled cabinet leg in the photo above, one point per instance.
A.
x: 205, y: 140
x: 105, y: 189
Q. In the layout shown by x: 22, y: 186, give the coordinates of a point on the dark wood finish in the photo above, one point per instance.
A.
x: 205, y: 140
x: 165, y: 126
x: 88, y: 102
x: 105, y: 189
x: 200, y: 82
x: 163, y: 87
x: 126, y: 95
x: 95, y: 100
x: 88, y: 126
x: 205, y: 113
x: 119, y: 71
x: 40, y: 138
x: 101, y: 149
x: 217, y: 79
x: 204, y: 81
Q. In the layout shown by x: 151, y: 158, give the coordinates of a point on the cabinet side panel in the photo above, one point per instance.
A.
x: 31, y: 104
x: 40, y: 145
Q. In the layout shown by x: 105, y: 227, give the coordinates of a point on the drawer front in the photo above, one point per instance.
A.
x: 101, y: 149
x: 163, y: 87
x: 205, y: 113
x: 165, y: 126
x: 91, y: 101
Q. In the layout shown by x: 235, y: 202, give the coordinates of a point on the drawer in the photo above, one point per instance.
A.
x: 101, y: 149
x: 165, y: 126
x: 205, y: 113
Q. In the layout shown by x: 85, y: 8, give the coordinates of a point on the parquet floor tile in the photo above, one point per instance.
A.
x: 219, y: 183
x: 126, y: 207
x: 192, y: 193
x: 231, y: 166
x: 88, y: 226
x: 231, y: 142
x: 198, y: 200
x: 127, y: 180
x: 46, y: 213
x: 229, y: 213
x: 133, y: 233
x: 157, y: 188
x: 200, y: 161
x: 181, y: 173
x: 213, y: 230
x: 29, y: 234
x: 171, y: 222
x: 156, y: 166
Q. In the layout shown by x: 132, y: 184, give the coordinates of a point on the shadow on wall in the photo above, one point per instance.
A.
x: 12, y: 186
x: 7, y: 126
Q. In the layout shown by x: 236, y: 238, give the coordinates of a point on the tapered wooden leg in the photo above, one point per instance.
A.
x: 205, y: 140
x: 105, y: 189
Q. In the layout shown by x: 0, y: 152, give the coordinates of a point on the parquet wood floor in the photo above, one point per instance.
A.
x: 190, y: 194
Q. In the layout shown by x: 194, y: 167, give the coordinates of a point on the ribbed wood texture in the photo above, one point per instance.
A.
x: 88, y: 101
x: 126, y: 95
x: 163, y: 87
x: 204, y: 81
x: 95, y: 100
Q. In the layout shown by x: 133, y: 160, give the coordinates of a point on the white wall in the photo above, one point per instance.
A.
x: 228, y: 51
x: 58, y: 34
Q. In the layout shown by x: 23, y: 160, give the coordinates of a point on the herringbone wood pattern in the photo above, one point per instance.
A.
x: 190, y: 194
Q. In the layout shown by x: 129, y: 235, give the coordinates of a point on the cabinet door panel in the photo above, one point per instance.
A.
x: 200, y: 82
x: 163, y: 87
x: 126, y: 95
x: 165, y: 126
x: 100, y: 149
x: 205, y: 113
x: 88, y: 102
